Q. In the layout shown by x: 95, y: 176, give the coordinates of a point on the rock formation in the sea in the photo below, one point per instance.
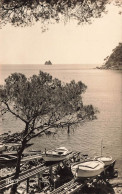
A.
x: 48, y: 63
x: 114, y: 61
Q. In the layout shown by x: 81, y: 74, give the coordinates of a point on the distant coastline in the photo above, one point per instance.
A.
x: 104, y: 67
x: 114, y: 61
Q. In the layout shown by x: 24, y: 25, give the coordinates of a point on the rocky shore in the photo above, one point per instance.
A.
x: 113, y: 186
x: 104, y: 67
x: 59, y: 177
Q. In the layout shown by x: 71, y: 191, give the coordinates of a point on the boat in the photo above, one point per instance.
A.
x: 7, y: 160
x: 107, y: 160
x: 2, y: 147
x: 87, y: 169
x: 57, y: 154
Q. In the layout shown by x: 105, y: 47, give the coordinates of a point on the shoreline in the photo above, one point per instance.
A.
x: 111, y: 185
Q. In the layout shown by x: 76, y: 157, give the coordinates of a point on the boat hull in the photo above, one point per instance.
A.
x: 55, y: 155
x: 87, y: 169
x: 54, y: 158
x: 7, y: 160
x: 107, y: 160
x: 2, y: 147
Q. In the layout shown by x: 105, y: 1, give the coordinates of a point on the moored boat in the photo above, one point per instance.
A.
x: 107, y: 160
x: 7, y: 160
x: 87, y: 169
x: 57, y: 154
x: 2, y: 147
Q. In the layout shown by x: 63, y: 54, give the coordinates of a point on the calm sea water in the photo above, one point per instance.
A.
x: 104, y: 92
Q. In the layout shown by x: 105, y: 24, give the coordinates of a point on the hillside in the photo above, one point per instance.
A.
x: 114, y: 61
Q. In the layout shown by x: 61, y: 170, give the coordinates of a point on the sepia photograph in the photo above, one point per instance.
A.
x: 60, y: 96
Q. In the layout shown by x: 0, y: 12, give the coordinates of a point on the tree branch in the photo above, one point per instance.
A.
x: 14, y: 113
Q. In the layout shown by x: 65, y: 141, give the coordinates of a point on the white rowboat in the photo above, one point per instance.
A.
x: 2, y: 147
x: 107, y: 160
x: 87, y: 169
x: 58, y: 154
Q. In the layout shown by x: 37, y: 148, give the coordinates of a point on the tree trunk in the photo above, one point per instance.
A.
x: 19, y: 155
x: 68, y: 131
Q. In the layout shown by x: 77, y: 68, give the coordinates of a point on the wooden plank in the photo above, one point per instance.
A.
x: 8, y: 182
x: 62, y: 187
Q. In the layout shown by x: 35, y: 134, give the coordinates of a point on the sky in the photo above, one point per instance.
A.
x: 62, y: 44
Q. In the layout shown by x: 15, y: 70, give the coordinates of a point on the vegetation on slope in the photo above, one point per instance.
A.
x: 114, y: 61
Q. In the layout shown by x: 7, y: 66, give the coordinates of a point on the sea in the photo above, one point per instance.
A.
x: 104, y: 91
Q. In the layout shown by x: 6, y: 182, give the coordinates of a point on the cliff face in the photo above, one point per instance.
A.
x: 114, y: 61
